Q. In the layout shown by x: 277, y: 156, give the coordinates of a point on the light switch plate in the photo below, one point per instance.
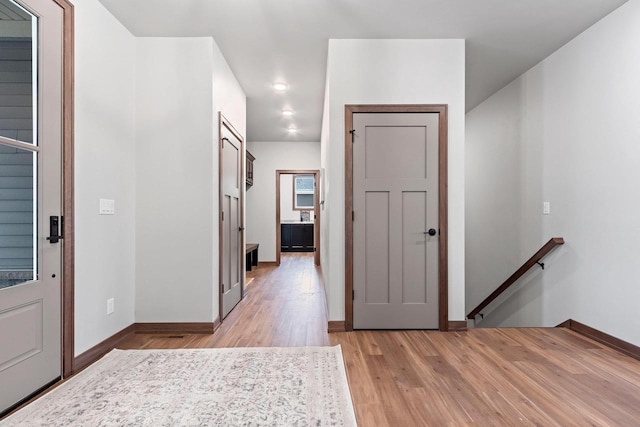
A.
x: 546, y: 208
x: 110, y: 305
x: 107, y: 207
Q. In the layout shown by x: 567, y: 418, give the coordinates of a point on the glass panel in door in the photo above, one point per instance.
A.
x: 18, y: 245
x: 18, y: 72
x: 18, y: 162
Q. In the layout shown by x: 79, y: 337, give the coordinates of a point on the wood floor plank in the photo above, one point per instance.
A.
x: 390, y: 394
x: 482, y: 377
x: 537, y: 396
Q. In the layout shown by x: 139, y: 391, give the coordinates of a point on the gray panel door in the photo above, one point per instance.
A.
x: 30, y: 192
x: 232, y: 254
x: 395, y: 199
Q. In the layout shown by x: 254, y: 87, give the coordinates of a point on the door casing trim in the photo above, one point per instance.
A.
x: 316, y: 212
x: 443, y: 272
x: 68, y: 244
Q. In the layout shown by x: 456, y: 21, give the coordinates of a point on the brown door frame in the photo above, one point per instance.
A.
x: 68, y: 244
x: 224, y: 123
x: 443, y: 272
x: 316, y: 211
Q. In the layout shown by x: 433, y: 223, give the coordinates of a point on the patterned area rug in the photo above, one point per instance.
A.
x: 296, y: 386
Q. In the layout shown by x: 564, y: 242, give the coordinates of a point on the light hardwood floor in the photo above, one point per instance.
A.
x: 483, y: 377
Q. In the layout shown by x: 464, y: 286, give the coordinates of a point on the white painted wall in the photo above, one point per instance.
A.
x: 325, y: 224
x: 174, y: 180
x: 493, y: 202
x: 394, y: 72
x: 104, y: 168
x: 181, y: 85
x: 230, y: 100
x: 261, y: 198
x: 573, y: 120
x: 146, y: 136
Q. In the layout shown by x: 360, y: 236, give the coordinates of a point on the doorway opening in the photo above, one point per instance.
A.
x: 297, y: 212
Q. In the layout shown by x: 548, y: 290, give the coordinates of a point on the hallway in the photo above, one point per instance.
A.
x: 284, y: 307
x: 492, y: 377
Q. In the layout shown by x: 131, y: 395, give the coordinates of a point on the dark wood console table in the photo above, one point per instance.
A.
x: 251, y: 251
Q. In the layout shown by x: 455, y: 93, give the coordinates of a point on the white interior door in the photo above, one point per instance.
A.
x: 395, y: 228
x: 231, y: 216
x: 31, y: 38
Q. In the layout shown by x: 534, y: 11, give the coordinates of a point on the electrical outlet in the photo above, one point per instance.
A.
x: 110, y: 306
x: 546, y: 208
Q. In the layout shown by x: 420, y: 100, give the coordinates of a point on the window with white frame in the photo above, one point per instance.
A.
x: 303, y: 192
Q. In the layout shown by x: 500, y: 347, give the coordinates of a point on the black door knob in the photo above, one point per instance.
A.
x: 431, y: 232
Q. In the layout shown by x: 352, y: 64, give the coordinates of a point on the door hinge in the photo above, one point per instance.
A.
x: 353, y: 133
x: 353, y: 294
x: 222, y: 288
x: 353, y: 216
x: 222, y: 216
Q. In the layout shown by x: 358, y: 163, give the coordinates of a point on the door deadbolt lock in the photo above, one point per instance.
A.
x: 55, y: 226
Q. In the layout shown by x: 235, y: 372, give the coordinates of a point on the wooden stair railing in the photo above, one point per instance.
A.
x: 535, y: 259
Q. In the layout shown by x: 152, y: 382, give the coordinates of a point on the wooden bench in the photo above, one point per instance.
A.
x: 251, y: 251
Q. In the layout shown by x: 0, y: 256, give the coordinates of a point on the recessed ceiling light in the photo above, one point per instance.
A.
x: 292, y: 130
x: 280, y: 86
x: 287, y: 113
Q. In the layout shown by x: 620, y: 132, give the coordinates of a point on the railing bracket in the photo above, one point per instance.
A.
x: 541, y: 264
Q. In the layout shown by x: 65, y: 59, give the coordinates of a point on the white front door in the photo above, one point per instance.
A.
x: 395, y: 226
x: 31, y: 66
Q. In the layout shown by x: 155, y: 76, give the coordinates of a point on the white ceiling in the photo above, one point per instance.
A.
x: 268, y: 40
